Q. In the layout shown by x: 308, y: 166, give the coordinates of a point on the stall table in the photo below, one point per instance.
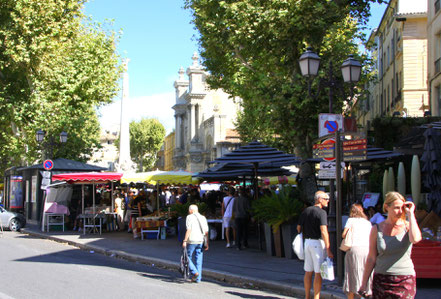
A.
x: 145, y: 225
x: 54, y: 219
x: 91, y: 223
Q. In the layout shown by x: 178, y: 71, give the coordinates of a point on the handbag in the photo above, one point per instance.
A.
x: 327, y: 269
x: 297, y: 246
x: 184, y: 268
x: 346, y: 243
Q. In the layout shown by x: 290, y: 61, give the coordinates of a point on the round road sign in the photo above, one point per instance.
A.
x: 330, y: 141
x: 48, y: 164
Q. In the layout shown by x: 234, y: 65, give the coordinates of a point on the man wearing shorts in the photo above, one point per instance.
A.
x: 313, y: 223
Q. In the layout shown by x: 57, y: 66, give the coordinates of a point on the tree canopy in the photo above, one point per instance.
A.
x: 56, y: 68
x: 146, y: 139
x: 251, y: 49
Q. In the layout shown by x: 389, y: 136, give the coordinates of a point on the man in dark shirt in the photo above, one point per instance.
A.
x: 313, y: 224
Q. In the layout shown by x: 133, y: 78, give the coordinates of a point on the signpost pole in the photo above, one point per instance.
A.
x: 338, y: 207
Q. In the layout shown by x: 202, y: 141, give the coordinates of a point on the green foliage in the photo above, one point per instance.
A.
x: 277, y: 209
x: 251, y: 49
x: 181, y: 210
x: 146, y: 139
x: 56, y: 67
x: 387, y: 131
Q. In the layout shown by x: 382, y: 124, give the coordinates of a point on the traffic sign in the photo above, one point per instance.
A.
x: 48, y: 164
x: 330, y: 141
x: 349, y: 148
x: 355, y: 142
x: 329, y: 123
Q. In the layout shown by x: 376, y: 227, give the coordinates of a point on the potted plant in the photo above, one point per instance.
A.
x: 180, y: 211
x: 279, y: 210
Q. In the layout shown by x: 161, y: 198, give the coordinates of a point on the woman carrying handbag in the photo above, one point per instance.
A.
x: 359, y: 227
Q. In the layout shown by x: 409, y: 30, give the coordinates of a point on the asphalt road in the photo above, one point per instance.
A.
x: 37, y: 268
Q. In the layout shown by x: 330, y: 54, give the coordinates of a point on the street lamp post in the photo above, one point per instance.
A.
x: 351, y: 69
x: 51, y: 143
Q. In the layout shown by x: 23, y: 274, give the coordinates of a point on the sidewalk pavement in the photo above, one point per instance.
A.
x: 250, y: 267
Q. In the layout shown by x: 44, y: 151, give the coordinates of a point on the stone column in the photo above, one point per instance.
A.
x: 177, y: 128
x: 192, y: 122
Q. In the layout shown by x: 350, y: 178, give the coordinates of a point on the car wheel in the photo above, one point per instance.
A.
x: 14, y: 225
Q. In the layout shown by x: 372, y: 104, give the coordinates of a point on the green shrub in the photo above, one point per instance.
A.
x: 277, y: 209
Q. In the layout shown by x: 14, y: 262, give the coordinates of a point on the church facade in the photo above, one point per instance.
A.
x: 204, y: 120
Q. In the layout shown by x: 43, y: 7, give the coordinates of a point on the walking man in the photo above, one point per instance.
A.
x: 241, y: 208
x: 313, y: 223
x: 197, y: 228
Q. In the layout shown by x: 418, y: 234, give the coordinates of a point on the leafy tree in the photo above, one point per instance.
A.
x: 146, y: 139
x: 56, y: 67
x: 252, y: 47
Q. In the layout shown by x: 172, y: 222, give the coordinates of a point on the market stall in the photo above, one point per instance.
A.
x: 157, y: 222
x: 92, y: 218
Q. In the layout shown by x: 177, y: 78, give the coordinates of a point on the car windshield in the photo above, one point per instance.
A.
x: 1, y: 209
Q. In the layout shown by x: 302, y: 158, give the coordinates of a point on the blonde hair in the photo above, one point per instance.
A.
x: 390, y: 198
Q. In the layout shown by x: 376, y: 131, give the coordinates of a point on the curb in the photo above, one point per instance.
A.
x: 229, y: 278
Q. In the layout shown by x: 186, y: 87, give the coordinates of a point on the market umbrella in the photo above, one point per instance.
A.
x: 158, y: 177
x: 431, y: 169
x: 236, y: 171
x: 258, y: 155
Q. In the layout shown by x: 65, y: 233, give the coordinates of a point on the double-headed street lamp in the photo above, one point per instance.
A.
x: 309, y: 65
x: 51, y: 143
x: 351, y: 69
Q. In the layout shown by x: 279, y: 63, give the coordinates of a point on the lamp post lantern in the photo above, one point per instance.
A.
x: 40, y: 135
x: 309, y: 63
x: 351, y: 70
x: 51, y: 143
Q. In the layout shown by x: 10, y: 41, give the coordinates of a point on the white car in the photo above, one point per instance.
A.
x: 13, y: 221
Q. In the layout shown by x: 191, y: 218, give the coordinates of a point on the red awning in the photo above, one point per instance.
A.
x: 80, y: 177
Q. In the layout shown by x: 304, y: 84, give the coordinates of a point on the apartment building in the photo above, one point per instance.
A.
x: 434, y: 55
x: 399, y: 49
x: 169, y: 146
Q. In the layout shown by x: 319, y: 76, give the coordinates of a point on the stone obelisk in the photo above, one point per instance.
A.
x: 125, y: 163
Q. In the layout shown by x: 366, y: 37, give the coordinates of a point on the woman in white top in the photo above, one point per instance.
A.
x: 356, y: 256
x: 227, y: 215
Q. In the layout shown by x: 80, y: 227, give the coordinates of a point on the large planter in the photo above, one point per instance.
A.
x: 278, y: 243
x: 289, y: 232
x: 182, y: 229
x: 269, y: 239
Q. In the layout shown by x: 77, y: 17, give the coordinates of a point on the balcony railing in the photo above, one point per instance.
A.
x: 437, y: 65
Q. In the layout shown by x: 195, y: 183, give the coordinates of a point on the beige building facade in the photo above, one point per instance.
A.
x: 399, y: 49
x: 204, y: 127
x: 434, y: 55
x: 169, y: 147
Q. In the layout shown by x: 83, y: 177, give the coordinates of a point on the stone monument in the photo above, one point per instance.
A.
x: 125, y: 163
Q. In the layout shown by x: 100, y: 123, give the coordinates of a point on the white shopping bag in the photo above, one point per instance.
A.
x: 297, y: 246
x: 327, y: 269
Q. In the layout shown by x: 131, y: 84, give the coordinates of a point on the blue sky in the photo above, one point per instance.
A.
x: 158, y: 39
